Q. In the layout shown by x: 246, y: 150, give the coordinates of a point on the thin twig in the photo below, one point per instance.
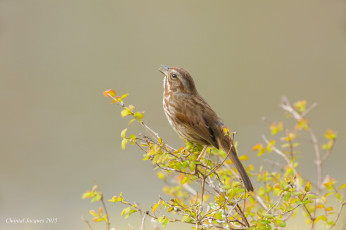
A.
x: 147, y: 128
x: 143, y: 219
x: 242, y: 215
x: 318, y: 161
x: 342, y: 204
x: 87, y: 222
x: 260, y: 201
x: 108, y: 223
x: 309, y: 109
x: 286, y: 105
x: 280, y: 153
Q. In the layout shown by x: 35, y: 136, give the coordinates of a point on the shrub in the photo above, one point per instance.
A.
x: 208, y: 194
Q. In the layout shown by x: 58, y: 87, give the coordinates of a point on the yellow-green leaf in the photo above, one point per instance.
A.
x: 243, y: 158
x: 302, y: 124
x: 300, y: 106
x: 155, y: 207
x: 161, y: 175
x: 125, y: 112
x: 138, y: 115
x: 276, y: 127
x: 342, y: 186
x: 124, y: 96
x: 329, y: 134
x: 92, y: 212
x: 114, y: 199
x: 307, y: 187
x: 123, y: 143
x: 87, y: 194
x: 123, y: 133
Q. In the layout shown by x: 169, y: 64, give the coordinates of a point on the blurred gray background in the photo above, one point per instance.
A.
x: 59, y: 134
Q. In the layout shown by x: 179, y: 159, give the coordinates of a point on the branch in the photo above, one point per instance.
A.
x: 154, y: 134
x: 285, y: 104
x: 280, y: 153
x: 108, y: 223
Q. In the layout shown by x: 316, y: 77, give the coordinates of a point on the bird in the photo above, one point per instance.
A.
x: 193, y: 119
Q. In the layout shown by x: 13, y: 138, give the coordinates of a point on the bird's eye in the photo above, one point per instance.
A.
x: 173, y: 76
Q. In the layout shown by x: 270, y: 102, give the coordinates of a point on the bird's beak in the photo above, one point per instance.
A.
x: 164, y: 69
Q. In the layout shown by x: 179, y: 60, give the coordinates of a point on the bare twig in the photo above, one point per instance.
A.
x: 309, y: 109
x: 108, y: 223
x: 87, y: 222
x: 276, y: 203
x: 286, y: 105
x: 260, y: 201
x: 342, y: 204
x: 318, y: 161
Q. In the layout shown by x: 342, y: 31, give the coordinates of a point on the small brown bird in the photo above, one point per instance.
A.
x: 193, y: 119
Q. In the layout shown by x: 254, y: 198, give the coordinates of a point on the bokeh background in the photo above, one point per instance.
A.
x: 59, y: 134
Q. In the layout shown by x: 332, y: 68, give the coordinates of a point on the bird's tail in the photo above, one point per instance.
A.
x: 232, y: 153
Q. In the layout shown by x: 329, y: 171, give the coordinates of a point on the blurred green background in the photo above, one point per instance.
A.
x: 59, y: 134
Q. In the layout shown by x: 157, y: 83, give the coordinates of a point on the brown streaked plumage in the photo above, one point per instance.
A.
x: 193, y: 119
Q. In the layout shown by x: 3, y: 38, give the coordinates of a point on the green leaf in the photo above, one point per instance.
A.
x: 138, y: 115
x: 96, y: 198
x: 268, y: 216
x: 92, y: 212
x: 321, y: 218
x: 94, y: 187
x: 113, y: 200
x: 187, y: 219
x: 300, y: 106
x: 87, y: 195
x: 307, y: 187
x: 218, y: 215
x: 125, y: 210
x: 125, y: 113
x: 124, y: 96
x: 184, y: 180
x: 311, y: 196
x: 276, y: 127
x: 123, y: 133
x: 297, y: 193
x: 330, y: 134
x: 134, y: 119
x: 123, y: 143
x: 163, y: 220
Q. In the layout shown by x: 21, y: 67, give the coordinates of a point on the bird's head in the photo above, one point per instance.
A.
x: 177, y: 80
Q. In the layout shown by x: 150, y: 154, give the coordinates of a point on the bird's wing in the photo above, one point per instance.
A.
x: 200, y: 123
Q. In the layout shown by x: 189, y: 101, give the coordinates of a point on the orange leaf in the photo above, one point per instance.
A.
x: 181, y: 149
x: 109, y: 93
x: 257, y: 147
